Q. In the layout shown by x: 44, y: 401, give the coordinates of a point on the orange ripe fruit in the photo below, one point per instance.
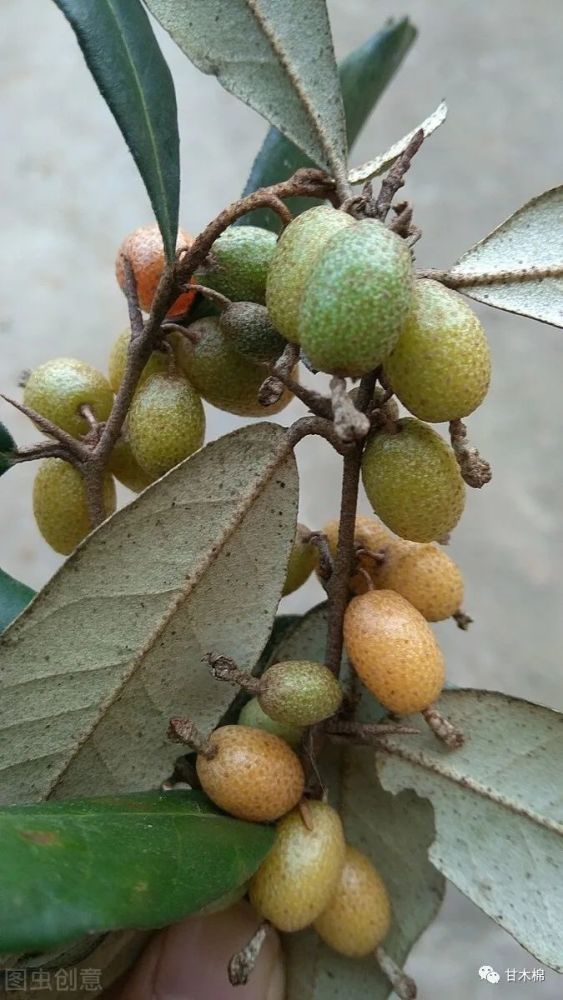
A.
x: 369, y: 534
x: 145, y: 250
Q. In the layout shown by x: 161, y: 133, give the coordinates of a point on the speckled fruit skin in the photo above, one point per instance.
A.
x: 300, y: 692
x: 238, y: 263
x: 296, y: 252
x: 357, y: 299
x: 60, y: 506
x: 393, y: 651
x: 157, y: 363
x: 428, y: 578
x: 166, y: 423
x: 254, y: 775
x: 413, y: 482
x: 251, y: 331
x: 370, y: 534
x: 302, y: 561
x: 57, y: 390
x: 253, y: 715
x: 124, y: 466
x: 220, y: 374
x: 440, y: 367
x: 145, y: 250
x: 296, y: 881
x: 358, y: 917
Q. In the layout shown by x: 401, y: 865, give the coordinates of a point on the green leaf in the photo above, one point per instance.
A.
x: 7, y: 447
x: 86, y: 866
x: 112, y: 647
x: 498, y: 808
x: 394, y: 832
x: 14, y: 597
x: 276, y: 57
x: 519, y: 266
x: 364, y: 75
x: 124, y: 57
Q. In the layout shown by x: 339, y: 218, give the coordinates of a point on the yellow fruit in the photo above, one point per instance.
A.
x: 253, y: 715
x: 369, y: 534
x: 296, y: 881
x: 302, y: 561
x: 166, y: 423
x: 57, y: 390
x: 145, y: 250
x: 427, y: 578
x: 358, y: 917
x: 299, y: 692
x: 157, y: 363
x: 124, y: 466
x: 440, y: 367
x: 60, y: 505
x: 413, y: 482
x: 394, y: 651
x: 253, y: 774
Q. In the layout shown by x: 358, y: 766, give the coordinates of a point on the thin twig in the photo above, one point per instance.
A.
x: 395, y: 178
x: 242, y: 963
x: 272, y: 387
x: 350, y: 423
x: 72, y: 445
x: 212, y: 294
x: 38, y: 451
x: 317, y: 403
x: 475, y: 470
x: 518, y: 276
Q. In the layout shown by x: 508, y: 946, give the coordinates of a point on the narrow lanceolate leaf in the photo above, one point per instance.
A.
x: 276, y: 57
x: 395, y: 832
x: 498, y: 804
x: 519, y: 266
x: 359, y: 175
x: 364, y: 75
x: 14, y: 597
x: 112, y: 647
x: 123, y: 55
x: 93, y: 865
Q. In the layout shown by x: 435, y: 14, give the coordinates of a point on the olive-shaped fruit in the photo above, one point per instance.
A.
x: 166, y: 423
x: 238, y: 263
x: 302, y: 561
x: 358, y: 916
x: 440, y: 367
x: 60, y: 504
x: 393, y: 651
x: 250, y: 773
x: 252, y: 332
x: 7, y: 447
x: 296, y: 881
x: 159, y: 362
x: 57, y: 389
x: 253, y: 715
x: 299, y: 692
x: 220, y: 374
x: 124, y: 466
x: 145, y: 250
x: 412, y: 480
x: 427, y: 577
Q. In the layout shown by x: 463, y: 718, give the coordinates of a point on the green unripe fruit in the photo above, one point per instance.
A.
x: 124, y: 466
x: 296, y: 881
x: 117, y: 361
x: 254, y: 716
x: 358, y: 916
x: 413, y: 482
x: 166, y: 423
x: 7, y: 447
x: 249, y: 327
x: 299, y: 692
x: 57, y: 390
x: 441, y: 366
x: 296, y: 252
x: 60, y: 504
x: 302, y: 561
x: 238, y: 263
x: 220, y: 374
x: 357, y: 299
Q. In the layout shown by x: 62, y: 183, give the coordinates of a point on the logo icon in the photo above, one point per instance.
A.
x: 487, y: 973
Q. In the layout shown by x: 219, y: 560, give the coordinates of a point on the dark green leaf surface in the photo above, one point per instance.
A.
x: 140, y: 861
x: 123, y: 55
x: 14, y: 597
x: 364, y: 75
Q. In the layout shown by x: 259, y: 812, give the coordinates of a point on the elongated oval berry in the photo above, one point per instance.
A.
x: 296, y: 881
x: 302, y: 561
x: 299, y: 692
x: 125, y: 467
x: 297, y: 250
x: 60, y: 504
x: 427, y: 577
x: 358, y: 917
x: 413, y: 482
x: 157, y: 363
x: 251, y: 331
x: 440, y: 367
x: 58, y: 388
x: 166, y: 423
x: 250, y: 773
x: 145, y: 250
x: 356, y: 300
x: 253, y: 715
x: 393, y: 651
x: 238, y: 263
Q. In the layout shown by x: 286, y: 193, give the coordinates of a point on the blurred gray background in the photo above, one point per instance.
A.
x: 70, y: 192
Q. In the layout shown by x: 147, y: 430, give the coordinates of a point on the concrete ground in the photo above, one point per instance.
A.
x: 70, y: 192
